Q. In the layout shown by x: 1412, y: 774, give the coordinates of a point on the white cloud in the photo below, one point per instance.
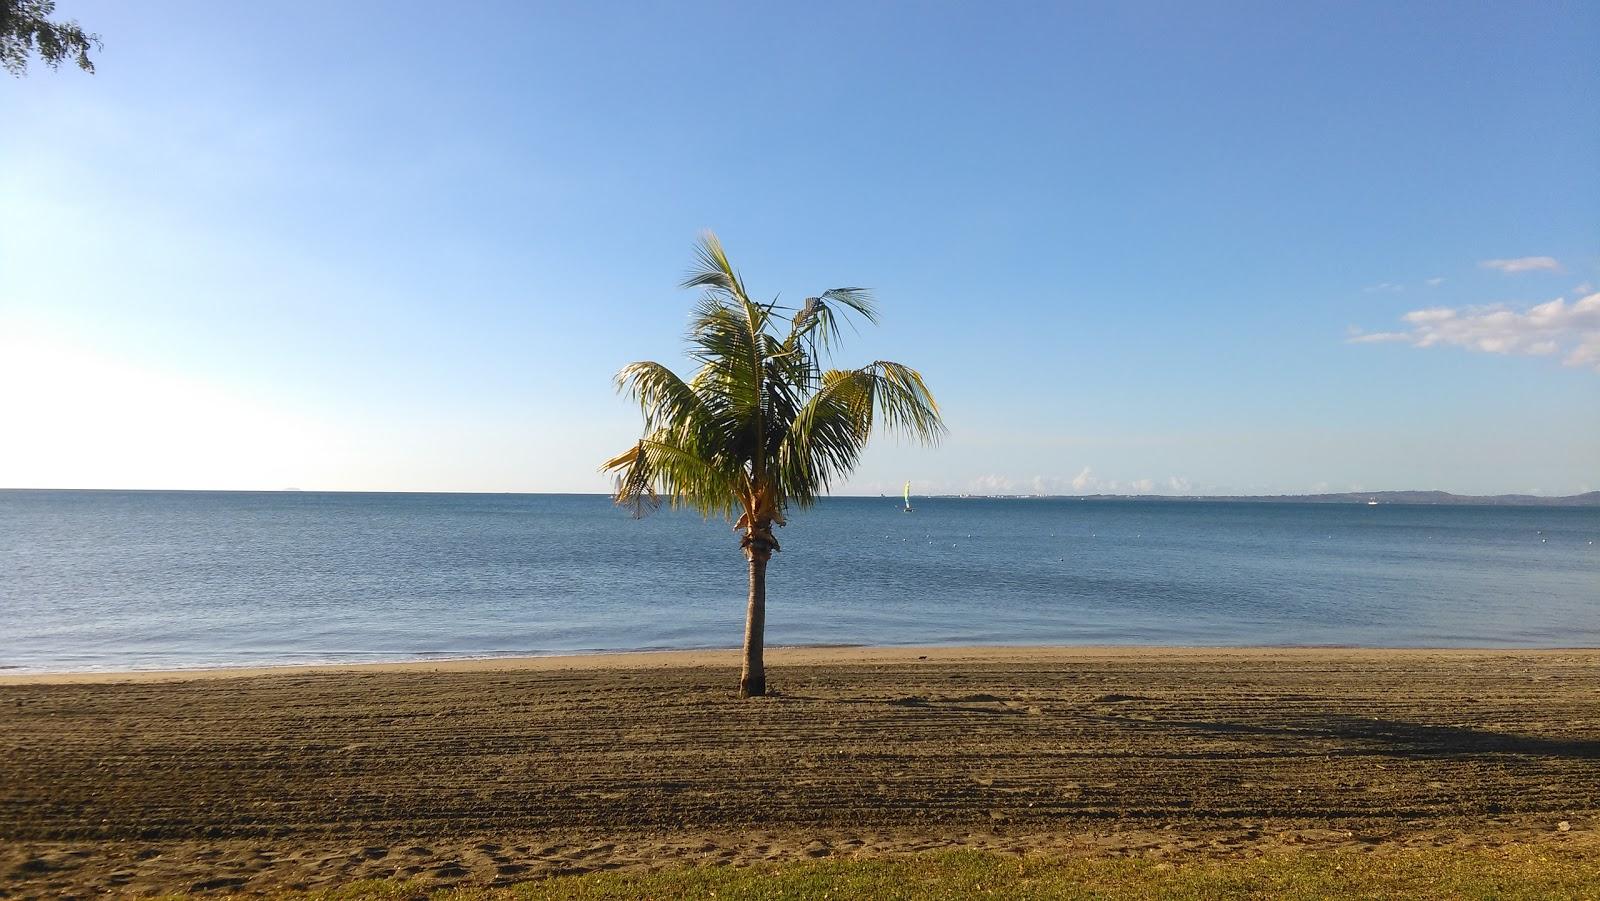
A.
x: 1085, y: 482
x: 1384, y: 287
x: 993, y: 484
x: 1435, y: 282
x: 1432, y: 314
x: 1523, y: 264
x: 1549, y: 328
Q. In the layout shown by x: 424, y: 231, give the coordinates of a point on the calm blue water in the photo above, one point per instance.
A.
x: 120, y: 580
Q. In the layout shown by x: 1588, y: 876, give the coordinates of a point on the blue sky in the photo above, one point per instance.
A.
x: 1133, y: 247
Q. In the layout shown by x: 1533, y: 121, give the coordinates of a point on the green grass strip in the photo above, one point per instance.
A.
x: 1501, y: 873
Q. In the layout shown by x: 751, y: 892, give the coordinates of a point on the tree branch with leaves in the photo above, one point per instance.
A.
x: 26, y: 30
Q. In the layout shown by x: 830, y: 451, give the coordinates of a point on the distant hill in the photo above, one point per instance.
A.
x: 1441, y: 498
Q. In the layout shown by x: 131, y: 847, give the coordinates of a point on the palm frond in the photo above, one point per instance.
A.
x: 730, y: 378
x: 662, y: 467
x: 818, y: 320
x: 712, y: 270
x: 827, y: 435
x: 663, y: 397
x: 635, y: 482
x: 858, y: 300
x: 902, y: 402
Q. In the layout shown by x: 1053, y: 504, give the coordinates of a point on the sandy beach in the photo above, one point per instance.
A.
x: 502, y: 770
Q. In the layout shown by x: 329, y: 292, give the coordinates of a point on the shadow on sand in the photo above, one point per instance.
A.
x: 1396, y: 737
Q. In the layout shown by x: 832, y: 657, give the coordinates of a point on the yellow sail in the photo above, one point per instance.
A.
x: 908, y: 495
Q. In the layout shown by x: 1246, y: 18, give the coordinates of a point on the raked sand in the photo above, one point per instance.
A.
x: 500, y: 770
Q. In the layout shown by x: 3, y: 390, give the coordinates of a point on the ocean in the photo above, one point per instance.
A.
x: 121, y: 580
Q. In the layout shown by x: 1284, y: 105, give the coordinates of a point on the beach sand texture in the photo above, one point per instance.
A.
x: 495, y: 771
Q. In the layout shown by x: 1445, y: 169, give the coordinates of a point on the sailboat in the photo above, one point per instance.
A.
x: 908, y: 497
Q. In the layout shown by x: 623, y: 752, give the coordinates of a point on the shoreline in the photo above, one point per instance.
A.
x: 796, y: 655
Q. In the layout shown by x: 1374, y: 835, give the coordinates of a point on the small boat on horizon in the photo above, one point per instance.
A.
x: 908, y: 497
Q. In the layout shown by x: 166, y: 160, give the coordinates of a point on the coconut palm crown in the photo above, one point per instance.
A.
x: 760, y: 426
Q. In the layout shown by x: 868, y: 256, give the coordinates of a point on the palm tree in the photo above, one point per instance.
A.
x: 760, y: 425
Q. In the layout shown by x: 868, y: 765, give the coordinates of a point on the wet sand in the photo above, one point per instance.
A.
x: 501, y: 770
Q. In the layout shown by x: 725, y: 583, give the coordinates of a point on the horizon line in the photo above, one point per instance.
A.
x: 945, y: 495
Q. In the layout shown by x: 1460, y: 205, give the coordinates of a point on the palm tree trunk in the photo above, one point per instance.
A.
x: 753, y: 681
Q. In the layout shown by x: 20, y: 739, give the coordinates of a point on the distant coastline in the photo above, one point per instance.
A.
x: 1439, y: 498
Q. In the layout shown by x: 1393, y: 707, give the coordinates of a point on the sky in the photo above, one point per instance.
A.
x: 1182, y: 248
